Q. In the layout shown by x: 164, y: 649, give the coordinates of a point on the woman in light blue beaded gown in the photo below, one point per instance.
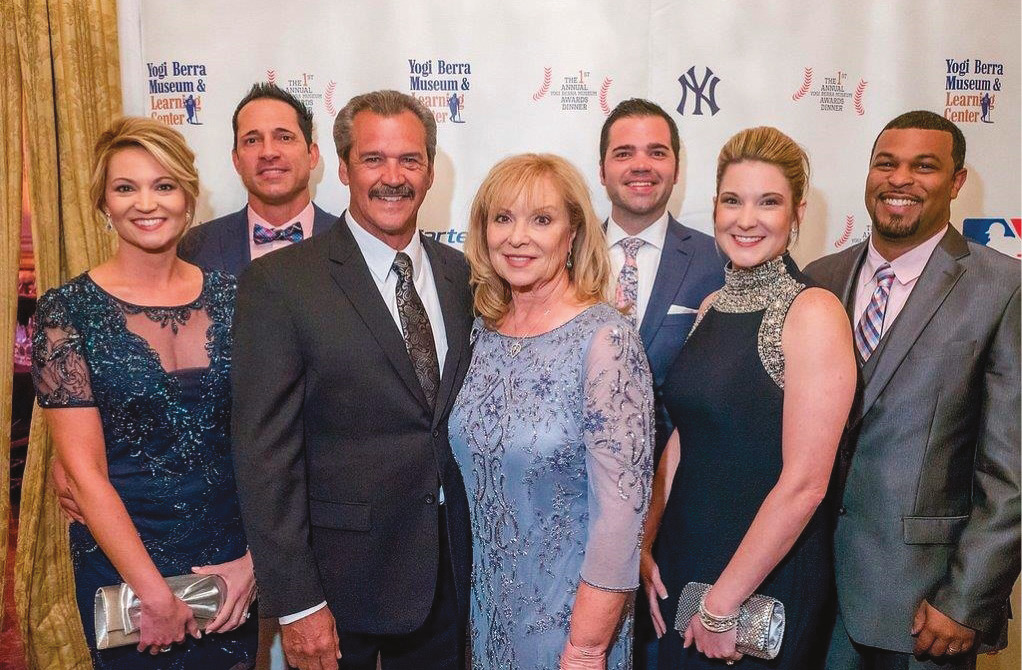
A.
x: 553, y: 429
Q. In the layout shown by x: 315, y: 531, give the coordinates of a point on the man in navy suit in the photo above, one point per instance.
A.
x: 663, y: 270
x: 274, y: 155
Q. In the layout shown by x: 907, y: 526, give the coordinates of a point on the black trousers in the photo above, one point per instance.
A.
x: 439, y: 644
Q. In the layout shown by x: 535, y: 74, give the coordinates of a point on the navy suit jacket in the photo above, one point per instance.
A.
x: 690, y: 269
x: 222, y: 244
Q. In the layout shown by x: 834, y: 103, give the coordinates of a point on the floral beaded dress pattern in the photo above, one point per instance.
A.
x: 167, y: 436
x: 554, y: 436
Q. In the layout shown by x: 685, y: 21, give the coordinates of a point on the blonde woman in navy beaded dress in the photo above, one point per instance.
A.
x: 553, y: 429
x: 132, y: 365
x: 759, y: 396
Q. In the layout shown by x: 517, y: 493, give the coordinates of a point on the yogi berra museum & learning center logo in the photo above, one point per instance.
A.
x: 441, y: 85
x: 971, y: 86
x: 176, y: 91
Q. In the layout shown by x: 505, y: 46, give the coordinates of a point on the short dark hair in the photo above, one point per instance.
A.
x: 382, y: 103
x: 267, y: 90
x: 922, y: 119
x: 639, y: 107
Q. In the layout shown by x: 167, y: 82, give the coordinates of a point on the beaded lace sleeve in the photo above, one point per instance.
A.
x: 59, y: 368
x: 618, y: 433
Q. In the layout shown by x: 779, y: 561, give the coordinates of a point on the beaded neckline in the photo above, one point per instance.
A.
x: 753, y: 289
x: 174, y: 316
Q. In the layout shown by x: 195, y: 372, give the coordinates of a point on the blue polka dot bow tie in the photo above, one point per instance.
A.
x: 264, y: 235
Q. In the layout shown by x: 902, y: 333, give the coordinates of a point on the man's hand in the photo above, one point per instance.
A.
x: 938, y: 635
x: 311, y: 643
x: 64, y: 497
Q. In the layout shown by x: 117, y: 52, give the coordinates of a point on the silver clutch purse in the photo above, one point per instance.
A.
x: 118, y: 609
x: 760, y: 620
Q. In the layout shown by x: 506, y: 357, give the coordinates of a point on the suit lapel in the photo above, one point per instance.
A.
x: 674, y: 262
x: 456, y: 325
x: 321, y: 221
x: 350, y: 272
x: 939, y: 276
x: 234, y: 245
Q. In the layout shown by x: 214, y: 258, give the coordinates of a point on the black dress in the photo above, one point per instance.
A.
x: 160, y: 379
x: 725, y: 394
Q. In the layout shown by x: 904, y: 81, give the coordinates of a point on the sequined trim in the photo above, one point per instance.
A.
x: 767, y: 287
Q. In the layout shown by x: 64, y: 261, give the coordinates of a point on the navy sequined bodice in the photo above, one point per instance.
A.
x: 166, y: 432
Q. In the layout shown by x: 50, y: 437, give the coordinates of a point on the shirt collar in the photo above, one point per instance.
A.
x: 306, y: 217
x: 654, y: 234
x: 380, y: 257
x: 908, y: 266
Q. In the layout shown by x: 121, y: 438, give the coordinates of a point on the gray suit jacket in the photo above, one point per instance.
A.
x: 930, y: 508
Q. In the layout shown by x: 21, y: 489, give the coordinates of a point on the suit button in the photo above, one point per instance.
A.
x: 841, y: 511
x: 429, y: 499
x: 436, y: 433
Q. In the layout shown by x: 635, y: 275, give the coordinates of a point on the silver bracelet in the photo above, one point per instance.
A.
x: 714, y: 623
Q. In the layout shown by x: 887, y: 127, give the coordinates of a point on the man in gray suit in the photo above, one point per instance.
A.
x: 927, y: 535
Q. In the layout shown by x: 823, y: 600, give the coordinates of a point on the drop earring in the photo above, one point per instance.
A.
x: 109, y: 221
x: 568, y: 262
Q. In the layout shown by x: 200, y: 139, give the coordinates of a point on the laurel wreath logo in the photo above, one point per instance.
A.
x: 328, y: 98
x: 547, y: 78
x: 604, y: 89
x: 847, y: 234
x: 857, y: 97
x: 807, y: 81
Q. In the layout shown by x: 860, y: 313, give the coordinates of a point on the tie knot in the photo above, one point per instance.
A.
x: 631, y: 246
x: 263, y: 235
x: 884, y: 275
x: 402, y: 266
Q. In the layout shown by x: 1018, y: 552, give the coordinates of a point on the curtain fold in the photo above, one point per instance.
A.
x: 10, y: 234
x: 68, y: 57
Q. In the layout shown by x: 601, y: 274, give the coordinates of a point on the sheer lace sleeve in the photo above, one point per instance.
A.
x: 618, y: 431
x: 59, y: 368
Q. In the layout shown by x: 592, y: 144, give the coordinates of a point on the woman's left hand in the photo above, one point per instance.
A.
x: 712, y: 645
x: 580, y: 658
x: 241, y: 590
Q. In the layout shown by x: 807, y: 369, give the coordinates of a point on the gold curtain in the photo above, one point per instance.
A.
x: 69, y: 64
x: 10, y: 233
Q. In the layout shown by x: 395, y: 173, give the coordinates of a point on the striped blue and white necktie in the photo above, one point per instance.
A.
x: 871, y: 325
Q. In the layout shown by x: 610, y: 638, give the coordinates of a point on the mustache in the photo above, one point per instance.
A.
x: 403, y: 191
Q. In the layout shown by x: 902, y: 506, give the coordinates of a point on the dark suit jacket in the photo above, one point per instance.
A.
x: 690, y: 269
x: 930, y: 508
x: 338, y: 456
x: 222, y: 244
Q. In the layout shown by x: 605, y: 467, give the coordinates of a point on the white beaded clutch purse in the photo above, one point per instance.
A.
x: 760, y: 620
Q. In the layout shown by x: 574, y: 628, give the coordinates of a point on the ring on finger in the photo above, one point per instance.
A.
x: 730, y: 662
x: 953, y: 649
x: 164, y: 650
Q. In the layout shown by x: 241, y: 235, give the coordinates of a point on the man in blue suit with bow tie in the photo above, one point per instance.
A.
x: 274, y: 155
x: 663, y: 269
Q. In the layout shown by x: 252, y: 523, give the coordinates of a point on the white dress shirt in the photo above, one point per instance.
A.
x: 380, y: 259
x: 306, y: 217
x: 647, y: 259
x: 907, y: 268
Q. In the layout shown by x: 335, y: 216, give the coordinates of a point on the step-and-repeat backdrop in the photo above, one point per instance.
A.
x: 535, y: 75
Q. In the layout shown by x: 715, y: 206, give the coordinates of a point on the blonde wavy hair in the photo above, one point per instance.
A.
x: 162, y: 142
x: 507, y: 180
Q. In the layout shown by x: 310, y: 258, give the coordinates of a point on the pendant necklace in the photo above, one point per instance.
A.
x: 516, y: 344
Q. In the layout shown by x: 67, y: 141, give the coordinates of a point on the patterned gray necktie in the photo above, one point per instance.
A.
x: 417, y: 331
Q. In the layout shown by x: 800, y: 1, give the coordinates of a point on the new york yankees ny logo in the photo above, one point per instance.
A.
x: 689, y: 83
